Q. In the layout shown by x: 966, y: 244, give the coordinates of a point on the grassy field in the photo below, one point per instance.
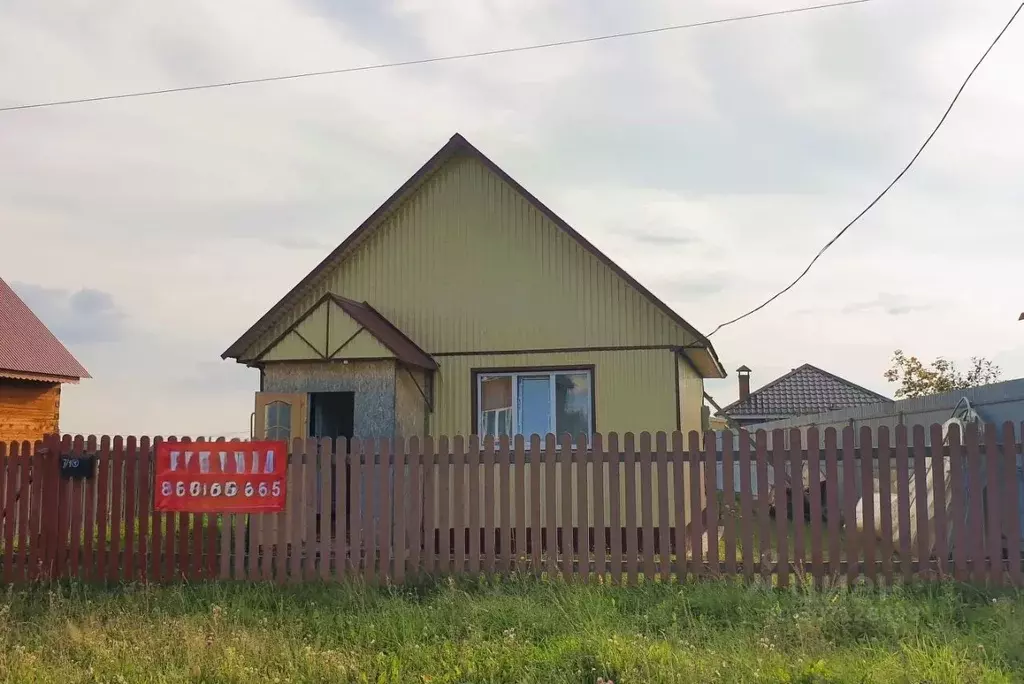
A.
x: 513, y: 631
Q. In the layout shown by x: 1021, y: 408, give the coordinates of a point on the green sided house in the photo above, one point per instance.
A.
x: 463, y: 305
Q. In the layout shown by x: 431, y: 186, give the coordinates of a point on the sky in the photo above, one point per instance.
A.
x: 711, y: 164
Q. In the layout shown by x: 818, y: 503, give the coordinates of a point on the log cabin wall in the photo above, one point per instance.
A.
x: 28, y: 410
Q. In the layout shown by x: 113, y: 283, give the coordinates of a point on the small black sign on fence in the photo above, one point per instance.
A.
x: 81, y: 467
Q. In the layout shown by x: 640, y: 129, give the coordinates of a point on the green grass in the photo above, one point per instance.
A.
x: 521, y: 630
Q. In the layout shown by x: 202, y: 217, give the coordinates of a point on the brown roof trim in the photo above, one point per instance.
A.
x: 386, y: 332
x: 371, y: 320
x: 779, y: 379
x: 38, y: 377
x: 457, y: 144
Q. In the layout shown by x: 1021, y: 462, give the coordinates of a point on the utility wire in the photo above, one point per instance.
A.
x: 887, y: 188
x: 432, y: 60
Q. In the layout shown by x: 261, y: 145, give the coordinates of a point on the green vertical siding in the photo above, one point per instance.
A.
x: 468, y: 264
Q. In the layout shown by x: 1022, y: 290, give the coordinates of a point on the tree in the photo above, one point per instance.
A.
x: 942, y: 375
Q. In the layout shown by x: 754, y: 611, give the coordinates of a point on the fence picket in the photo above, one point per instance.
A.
x: 414, y: 526
x: 729, y: 508
x: 430, y: 512
x: 110, y: 526
x: 885, y: 502
x: 1011, y: 503
x: 401, y: 500
x: 7, y: 479
x: 763, y: 493
x: 814, y: 482
x: 631, y: 531
x: 341, y: 515
x: 903, y: 500
x: 796, y: 501
x: 36, y: 515
x: 646, y: 507
x: 615, y: 508
x: 696, y: 512
x: 293, y: 516
x: 958, y: 504
x: 941, y: 527
x: 473, y: 472
x: 833, y: 509
x: 975, y: 513
x: 490, y: 530
x: 536, y: 505
x: 356, y: 495
x: 867, y: 487
x: 503, y: 545
x: 661, y: 460
x: 158, y: 523
x: 63, y: 508
x: 519, y: 549
x: 325, y: 511
x: 76, y: 496
x: 25, y: 537
x: 746, y: 505
x: 309, y: 508
x: 600, y: 522
x: 850, y: 504
x: 711, y: 516
x: 444, y: 479
x: 130, y: 514
x: 924, y: 551
x: 566, y: 494
x: 145, y: 503
x: 459, y: 503
x: 550, y: 505
x: 781, y: 501
x: 993, y: 508
x: 582, y: 508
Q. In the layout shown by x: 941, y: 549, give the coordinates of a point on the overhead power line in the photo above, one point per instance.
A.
x: 886, y: 189
x: 433, y: 60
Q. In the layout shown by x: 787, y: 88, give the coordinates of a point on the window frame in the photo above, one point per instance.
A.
x: 277, y: 426
x: 478, y: 374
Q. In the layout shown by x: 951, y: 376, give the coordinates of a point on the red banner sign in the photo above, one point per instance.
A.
x: 220, y: 477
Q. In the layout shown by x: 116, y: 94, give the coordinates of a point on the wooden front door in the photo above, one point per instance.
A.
x: 281, y: 415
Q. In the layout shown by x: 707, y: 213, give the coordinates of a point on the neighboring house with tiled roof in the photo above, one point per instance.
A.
x: 806, y: 390
x: 33, y: 365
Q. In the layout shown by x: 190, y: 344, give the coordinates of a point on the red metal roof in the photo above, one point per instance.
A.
x: 27, y: 346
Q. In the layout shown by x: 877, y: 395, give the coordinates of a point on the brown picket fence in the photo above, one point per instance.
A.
x: 882, y: 509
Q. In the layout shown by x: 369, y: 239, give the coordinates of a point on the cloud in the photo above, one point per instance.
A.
x: 888, y: 303
x: 891, y: 304
x: 661, y: 239
x: 82, y: 317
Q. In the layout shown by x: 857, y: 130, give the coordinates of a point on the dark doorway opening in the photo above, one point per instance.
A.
x: 332, y: 414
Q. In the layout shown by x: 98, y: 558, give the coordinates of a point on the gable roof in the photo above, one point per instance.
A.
x: 28, y: 350
x: 457, y: 145
x: 805, y: 390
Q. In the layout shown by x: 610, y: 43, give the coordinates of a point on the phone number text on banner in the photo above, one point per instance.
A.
x: 220, y: 477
